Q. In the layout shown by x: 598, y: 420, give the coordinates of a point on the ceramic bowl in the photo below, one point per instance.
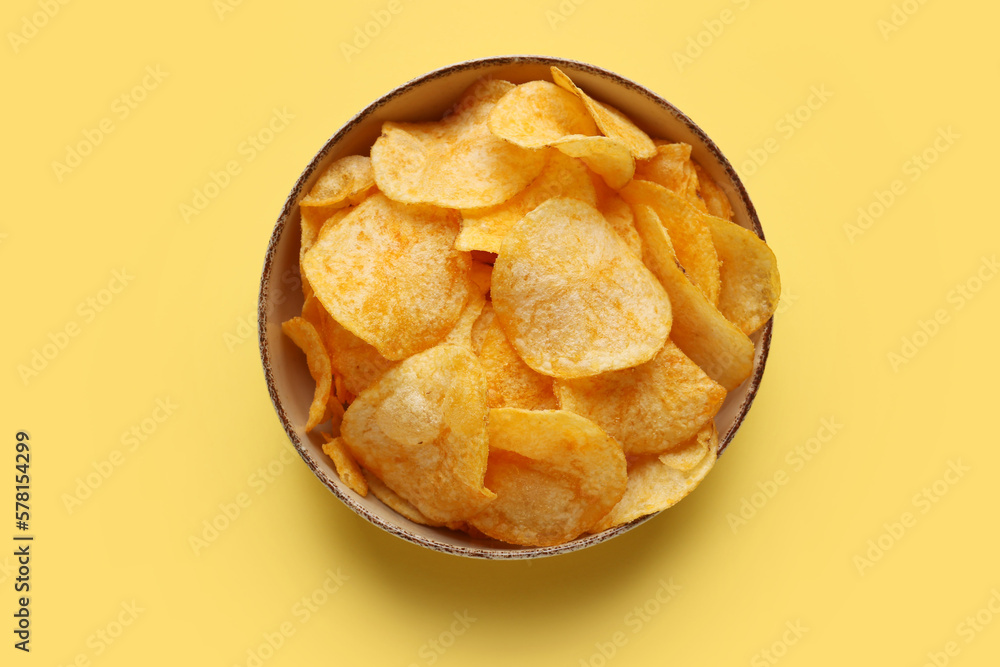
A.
x: 427, y: 98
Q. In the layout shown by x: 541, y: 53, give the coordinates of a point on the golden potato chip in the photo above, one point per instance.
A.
x: 347, y: 468
x: 688, y: 231
x: 388, y: 273
x: 672, y: 168
x: 609, y: 158
x: 537, y: 113
x: 347, y: 178
x: 716, y: 202
x: 394, y: 501
x: 687, y: 455
x: 654, y: 486
x: 481, y: 326
x: 461, y: 333
x: 699, y: 329
x: 305, y: 336
x: 618, y: 214
x: 510, y: 383
x: 456, y: 162
x: 612, y: 122
x: 572, y: 298
x: 422, y: 430
x: 649, y: 408
x: 358, y: 363
x: 750, y: 283
x: 555, y: 474
x: 563, y: 176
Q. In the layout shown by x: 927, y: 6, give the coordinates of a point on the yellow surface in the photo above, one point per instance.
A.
x: 167, y: 337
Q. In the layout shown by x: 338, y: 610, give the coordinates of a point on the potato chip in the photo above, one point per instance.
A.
x: 618, y: 214
x: 394, y: 501
x: 455, y: 162
x: 672, y: 168
x: 750, y: 283
x: 687, y: 455
x: 688, y: 231
x: 358, y: 363
x: 481, y: 326
x: 654, y: 486
x: 612, y: 122
x: 461, y: 333
x: 716, y: 202
x: 609, y: 158
x: 347, y: 178
x: 347, y: 468
x: 563, y: 176
x: 649, y: 408
x: 572, y: 298
x: 305, y: 336
x: 388, y: 273
x: 699, y: 329
x: 555, y: 475
x: 537, y: 113
x: 422, y: 430
x: 510, y: 382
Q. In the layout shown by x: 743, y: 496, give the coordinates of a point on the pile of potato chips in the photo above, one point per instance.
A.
x: 523, y: 318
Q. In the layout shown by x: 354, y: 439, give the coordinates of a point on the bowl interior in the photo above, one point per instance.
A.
x: 427, y: 98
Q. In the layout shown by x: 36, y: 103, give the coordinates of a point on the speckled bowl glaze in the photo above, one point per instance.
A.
x: 427, y: 98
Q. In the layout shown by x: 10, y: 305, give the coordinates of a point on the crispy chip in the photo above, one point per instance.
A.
x: 555, y: 474
x: 358, y: 363
x: 461, y: 333
x: 347, y: 178
x: 305, y: 336
x: 699, y: 329
x: 613, y: 123
x: 537, y: 113
x: 422, y: 430
x: 618, y: 214
x: 394, y: 501
x: 455, y: 162
x: 563, y: 176
x: 388, y: 272
x: 750, y: 283
x: 649, y: 408
x: 716, y: 202
x: 481, y: 326
x: 672, y: 168
x: 510, y: 382
x: 687, y: 455
x: 609, y: 158
x: 654, y: 486
x: 688, y: 231
x: 572, y: 298
x: 347, y: 468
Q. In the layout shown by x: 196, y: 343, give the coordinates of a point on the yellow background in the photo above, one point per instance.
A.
x: 177, y: 332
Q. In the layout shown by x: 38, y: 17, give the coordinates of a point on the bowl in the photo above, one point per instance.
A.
x: 427, y: 98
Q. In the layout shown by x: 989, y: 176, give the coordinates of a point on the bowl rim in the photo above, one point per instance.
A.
x: 483, y: 552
